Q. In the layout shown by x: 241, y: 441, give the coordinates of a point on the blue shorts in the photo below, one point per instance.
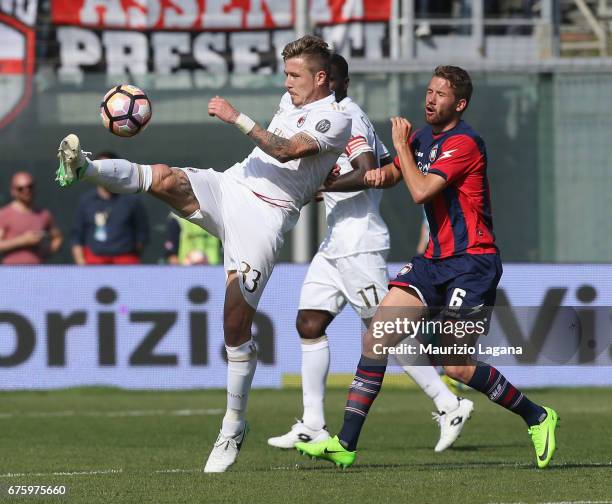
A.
x: 461, y: 282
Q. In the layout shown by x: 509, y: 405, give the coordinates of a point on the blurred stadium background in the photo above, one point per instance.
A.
x: 543, y: 89
x: 543, y: 103
x: 543, y: 85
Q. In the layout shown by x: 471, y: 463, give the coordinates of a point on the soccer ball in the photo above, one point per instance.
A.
x: 125, y: 110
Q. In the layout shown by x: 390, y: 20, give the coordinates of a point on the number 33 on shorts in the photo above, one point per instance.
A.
x: 250, y: 277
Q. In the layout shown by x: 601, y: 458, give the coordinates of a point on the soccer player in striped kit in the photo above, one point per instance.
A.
x: 444, y: 167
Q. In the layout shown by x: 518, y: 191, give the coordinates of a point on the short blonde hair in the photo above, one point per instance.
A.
x: 312, y: 48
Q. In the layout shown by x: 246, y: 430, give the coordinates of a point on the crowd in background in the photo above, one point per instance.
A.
x: 107, y: 229
x: 432, y: 9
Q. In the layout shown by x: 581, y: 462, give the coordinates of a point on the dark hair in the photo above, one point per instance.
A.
x: 315, y: 49
x: 338, y: 61
x: 106, y: 155
x: 459, y: 80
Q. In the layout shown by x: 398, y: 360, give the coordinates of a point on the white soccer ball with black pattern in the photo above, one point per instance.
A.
x: 125, y: 110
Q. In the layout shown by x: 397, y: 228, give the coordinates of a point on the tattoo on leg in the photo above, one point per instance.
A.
x: 175, y: 189
x: 183, y: 186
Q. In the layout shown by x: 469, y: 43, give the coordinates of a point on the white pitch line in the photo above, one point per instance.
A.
x: 176, y: 471
x: 94, y: 473
x: 112, y: 414
x: 63, y: 473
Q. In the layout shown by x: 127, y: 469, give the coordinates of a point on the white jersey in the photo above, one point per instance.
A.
x: 293, y: 183
x: 354, y: 223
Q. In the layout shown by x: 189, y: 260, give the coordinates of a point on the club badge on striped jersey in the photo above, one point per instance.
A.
x: 433, y: 153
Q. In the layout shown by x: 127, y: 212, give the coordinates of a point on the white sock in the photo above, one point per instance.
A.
x: 241, y: 364
x: 315, y: 366
x: 429, y: 380
x: 119, y: 175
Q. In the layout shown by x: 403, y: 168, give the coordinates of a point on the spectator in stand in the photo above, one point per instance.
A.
x: 423, y: 29
x: 109, y: 228
x: 432, y: 9
x: 28, y: 235
x: 186, y: 243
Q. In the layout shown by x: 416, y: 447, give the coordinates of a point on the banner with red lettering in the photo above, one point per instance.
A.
x: 209, y: 38
x: 211, y: 14
x: 182, y: 43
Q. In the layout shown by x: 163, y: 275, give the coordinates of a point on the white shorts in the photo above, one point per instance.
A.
x: 360, y: 279
x: 250, y: 229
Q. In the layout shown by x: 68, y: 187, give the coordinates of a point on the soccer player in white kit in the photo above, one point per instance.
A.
x: 249, y: 206
x: 351, y: 266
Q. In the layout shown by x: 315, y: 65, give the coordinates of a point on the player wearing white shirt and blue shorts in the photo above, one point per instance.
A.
x: 351, y: 267
x: 248, y: 207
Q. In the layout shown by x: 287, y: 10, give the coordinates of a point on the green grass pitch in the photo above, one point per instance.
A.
x: 115, y: 446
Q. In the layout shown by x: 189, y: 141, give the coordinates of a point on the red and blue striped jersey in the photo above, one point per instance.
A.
x: 459, y: 216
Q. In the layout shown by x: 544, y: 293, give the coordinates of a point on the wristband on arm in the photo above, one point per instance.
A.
x: 244, y: 123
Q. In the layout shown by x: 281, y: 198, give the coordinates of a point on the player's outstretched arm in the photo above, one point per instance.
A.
x: 281, y: 149
x: 386, y: 176
x: 365, y: 174
x: 353, y: 180
x: 421, y: 187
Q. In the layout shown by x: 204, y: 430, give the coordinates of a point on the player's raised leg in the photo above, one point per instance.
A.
x: 121, y: 176
x: 541, y: 421
x: 172, y: 186
x: 399, y: 302
x: 311, y: 326
x: 241, y: 363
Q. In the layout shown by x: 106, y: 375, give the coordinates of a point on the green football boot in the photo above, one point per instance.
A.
x: 72, y: 161
x: 330, y: 449
x: 543, y: 437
